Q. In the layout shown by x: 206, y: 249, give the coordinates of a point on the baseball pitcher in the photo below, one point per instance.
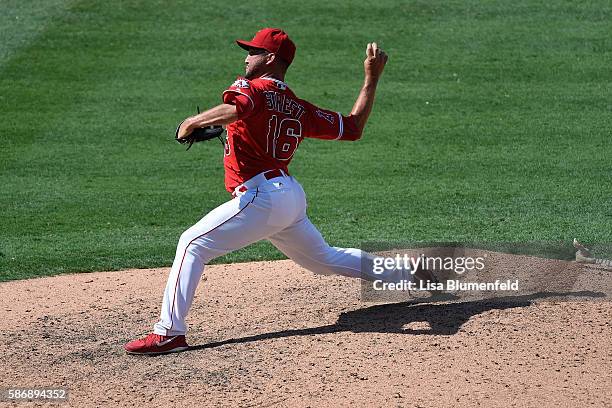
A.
x: 265, y: 122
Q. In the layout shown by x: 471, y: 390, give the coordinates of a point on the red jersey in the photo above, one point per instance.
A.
x: 272, y: 122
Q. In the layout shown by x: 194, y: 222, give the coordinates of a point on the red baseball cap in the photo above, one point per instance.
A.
x: 272, y: 40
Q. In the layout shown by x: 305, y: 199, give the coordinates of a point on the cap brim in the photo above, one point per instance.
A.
x: 247, y: 45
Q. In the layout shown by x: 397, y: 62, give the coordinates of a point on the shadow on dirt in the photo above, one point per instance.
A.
x: 443, y: 319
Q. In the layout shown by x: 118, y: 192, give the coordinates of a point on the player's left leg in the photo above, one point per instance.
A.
x: 268, y: 206
x: 231, y: 226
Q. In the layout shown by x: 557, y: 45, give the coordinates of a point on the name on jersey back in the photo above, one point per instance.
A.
x: 282, y: 103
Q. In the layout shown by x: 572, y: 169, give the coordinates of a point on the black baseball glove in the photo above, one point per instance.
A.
x: 200, y: 134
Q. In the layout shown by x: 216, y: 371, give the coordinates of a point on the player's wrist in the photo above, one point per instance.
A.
x: 370, y: 80
x: 190, y: 124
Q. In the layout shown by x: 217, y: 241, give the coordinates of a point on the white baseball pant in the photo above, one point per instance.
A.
x: 272, y: 209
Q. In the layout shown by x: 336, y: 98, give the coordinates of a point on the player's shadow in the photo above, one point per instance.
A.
x: 439, y: 318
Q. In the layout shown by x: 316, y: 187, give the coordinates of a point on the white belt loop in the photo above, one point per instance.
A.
x: 253, y: 182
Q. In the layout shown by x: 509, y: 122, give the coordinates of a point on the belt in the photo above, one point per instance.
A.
x: 270, y: 174
x: 256, y: 180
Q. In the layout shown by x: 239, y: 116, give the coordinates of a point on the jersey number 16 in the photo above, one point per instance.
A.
x: 283, y: 138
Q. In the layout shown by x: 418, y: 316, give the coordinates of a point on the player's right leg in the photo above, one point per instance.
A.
x: 304, y: 244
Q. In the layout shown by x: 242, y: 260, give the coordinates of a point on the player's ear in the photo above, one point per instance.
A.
x: 270, y: 58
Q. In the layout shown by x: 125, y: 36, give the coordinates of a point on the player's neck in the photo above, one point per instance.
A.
x: 276, y: 75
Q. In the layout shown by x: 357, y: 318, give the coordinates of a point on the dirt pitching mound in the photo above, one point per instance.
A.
x: 272, y: 334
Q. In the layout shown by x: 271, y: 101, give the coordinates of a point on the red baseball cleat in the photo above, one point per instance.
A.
x: 156, y: 344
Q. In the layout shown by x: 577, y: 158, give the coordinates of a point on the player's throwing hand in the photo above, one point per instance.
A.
x: 375, y: 61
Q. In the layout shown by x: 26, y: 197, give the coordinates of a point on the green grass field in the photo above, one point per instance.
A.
x: 492, y: 123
